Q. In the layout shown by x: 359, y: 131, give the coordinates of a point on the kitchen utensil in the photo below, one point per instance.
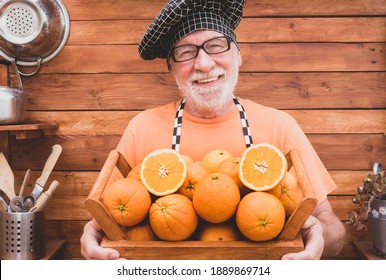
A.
x: 5, y: 204
x: 22, y: 204
x: 13, y: 101
x: 48, y: 167
x: 45, y: 197
x: 28, y: 202
x: 25, y: 182
x: 32, y: 32
x: 6, y: 178
x: 16, y: 204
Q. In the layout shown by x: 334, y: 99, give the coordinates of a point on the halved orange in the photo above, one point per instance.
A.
x: 163, y: 171
x: 262, y: 167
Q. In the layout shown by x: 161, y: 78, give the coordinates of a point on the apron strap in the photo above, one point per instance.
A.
x: 177, y: 127
x: 244, y: 123
x: 178, y: 124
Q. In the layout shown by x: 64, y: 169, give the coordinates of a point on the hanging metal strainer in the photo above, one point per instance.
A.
x: 32, y: 31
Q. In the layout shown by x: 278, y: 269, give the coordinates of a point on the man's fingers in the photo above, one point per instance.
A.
x: 303, y: 255
x: 104, y: 253
x: 90, y: 240
x: 312, y: 234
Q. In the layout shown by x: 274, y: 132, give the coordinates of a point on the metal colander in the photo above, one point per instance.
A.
x: 32, y: 31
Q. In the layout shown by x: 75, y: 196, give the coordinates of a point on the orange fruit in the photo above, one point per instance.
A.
x: 288, y: 192
x: 226, y: 231
x: 134, y: 173
x: 173, y: 218
x: 231, y: 167
x: 213, y: 158
x: 127, y: 200
x: 140, y: 232
x: 262, y: 167
x: 216, y: 198
x: 187, y: 159
x: 195, y: 173
x: 260, y: 216
x: 163, y: 171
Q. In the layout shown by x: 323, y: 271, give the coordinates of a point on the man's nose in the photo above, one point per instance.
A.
x: 203, y: 62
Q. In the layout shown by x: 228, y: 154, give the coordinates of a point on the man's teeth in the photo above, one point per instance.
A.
x: 207, y: 80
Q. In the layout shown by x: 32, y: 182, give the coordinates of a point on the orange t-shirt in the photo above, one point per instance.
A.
x: 153, y: 129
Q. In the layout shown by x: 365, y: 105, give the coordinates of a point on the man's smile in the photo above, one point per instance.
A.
x: 207, y: 80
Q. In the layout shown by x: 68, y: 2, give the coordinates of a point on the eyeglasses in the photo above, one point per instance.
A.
x: 187, y: 52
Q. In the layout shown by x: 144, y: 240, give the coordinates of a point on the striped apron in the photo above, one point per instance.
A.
x: 178, y: 125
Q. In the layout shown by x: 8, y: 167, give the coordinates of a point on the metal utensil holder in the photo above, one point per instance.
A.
x: 22, y: 235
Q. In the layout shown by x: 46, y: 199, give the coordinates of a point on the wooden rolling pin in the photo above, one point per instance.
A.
x: 45, y: 197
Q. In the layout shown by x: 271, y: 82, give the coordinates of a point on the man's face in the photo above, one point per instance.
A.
x: 207, y: 82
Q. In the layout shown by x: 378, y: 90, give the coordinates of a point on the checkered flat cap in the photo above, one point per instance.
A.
x: 179, y: 18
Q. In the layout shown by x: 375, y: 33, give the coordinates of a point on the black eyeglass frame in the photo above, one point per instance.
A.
x: 199, y: 47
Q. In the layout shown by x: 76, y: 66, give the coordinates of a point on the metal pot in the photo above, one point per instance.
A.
x: 377, y: 218
x: 32, y: 32
x: 13, y: 102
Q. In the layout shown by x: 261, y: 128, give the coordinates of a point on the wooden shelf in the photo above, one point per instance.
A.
x: 33, y: 126
x: 53, y: 248
x: 21, y: 132
x: 16, y: 129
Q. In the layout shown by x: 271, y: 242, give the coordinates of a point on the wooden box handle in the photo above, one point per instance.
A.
x: 303, y: 211
x: 94, y: 203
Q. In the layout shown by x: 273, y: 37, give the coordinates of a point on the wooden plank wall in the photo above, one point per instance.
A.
x: 323, y: 61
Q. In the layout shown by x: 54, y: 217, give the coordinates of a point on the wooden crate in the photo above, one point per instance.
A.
x: 208, y: 250
x: 288, y: 241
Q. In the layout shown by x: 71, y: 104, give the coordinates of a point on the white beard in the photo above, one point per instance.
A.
x: 211, y: 101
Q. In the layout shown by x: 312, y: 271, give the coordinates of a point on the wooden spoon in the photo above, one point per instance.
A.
x: 6, y: 178
x: 25, y: 182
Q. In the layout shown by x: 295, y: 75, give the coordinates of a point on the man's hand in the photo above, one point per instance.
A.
x: 90, y: 240
x: 312, y: 234
x: 322, y: 233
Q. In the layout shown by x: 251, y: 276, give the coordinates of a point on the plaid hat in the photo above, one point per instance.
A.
x: 179, y: 18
